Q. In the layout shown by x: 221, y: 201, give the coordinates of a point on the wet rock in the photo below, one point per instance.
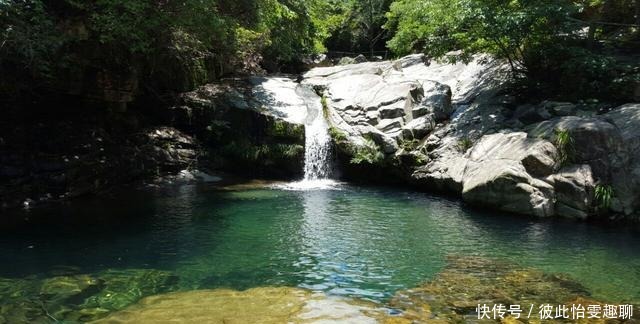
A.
x: 454, y: 294
x: 125, y: 287
x: 69, y: 287
x: 256, y: 305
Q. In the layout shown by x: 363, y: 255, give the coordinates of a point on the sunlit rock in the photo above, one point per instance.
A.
x: 256, y: 305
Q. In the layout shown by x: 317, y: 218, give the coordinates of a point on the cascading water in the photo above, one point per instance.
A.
x: 317, y: 155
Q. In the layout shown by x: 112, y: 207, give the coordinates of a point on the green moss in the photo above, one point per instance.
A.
x: 368, y: 153
x: 282, y: 129
x: 264, y: 153
x: 337, y: 135
x: 325, y: 106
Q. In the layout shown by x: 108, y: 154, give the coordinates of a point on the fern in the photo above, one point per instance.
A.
x: 603, y: 196
x: 564, y: 143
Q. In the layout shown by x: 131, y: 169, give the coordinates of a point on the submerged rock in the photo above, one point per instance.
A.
x: 80, y: 297
x: 256, y: 305
x: 455, y: 293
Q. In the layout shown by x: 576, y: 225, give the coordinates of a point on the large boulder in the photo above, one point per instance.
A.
x: 592, y: 140
x: 626, y: 177
x: 500, y: 170
x: 252, y: 126
x: 574, y: 186
x: 436, y: 100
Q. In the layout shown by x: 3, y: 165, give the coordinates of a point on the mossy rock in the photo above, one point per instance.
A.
x: 124, y: 287
x: 467, y: 281
x: 67, y: 286
x: 280, y: 129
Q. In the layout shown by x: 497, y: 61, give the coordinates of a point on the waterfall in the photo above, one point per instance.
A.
x: 317, y: 154
x: 318, y: 146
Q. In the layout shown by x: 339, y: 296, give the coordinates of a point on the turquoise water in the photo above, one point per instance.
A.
x: 356, y: 241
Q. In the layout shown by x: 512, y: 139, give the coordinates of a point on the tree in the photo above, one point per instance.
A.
x: 542, y: 40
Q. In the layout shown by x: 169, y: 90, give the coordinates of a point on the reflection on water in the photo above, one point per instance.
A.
x: 362, y: 242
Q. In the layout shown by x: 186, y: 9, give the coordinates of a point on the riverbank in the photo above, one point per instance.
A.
x: 456, y: 129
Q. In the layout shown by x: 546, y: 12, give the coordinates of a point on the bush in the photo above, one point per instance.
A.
x: 564, y: 143
x: 543, y: 41
x: 603, y: 196
x: 368, y: 153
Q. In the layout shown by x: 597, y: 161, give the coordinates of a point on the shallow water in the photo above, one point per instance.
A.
x: 353, y: 241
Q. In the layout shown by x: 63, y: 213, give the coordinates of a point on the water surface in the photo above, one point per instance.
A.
x: 356, y: 241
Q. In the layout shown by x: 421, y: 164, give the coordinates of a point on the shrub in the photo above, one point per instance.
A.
x: 368, y: 153
x: 603, y: 196
x: 564, y: 144
x: 464, y: 144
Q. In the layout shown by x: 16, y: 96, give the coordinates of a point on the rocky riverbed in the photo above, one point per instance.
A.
x: 452, y: 296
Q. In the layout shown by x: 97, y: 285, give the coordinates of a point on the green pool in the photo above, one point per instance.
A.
x: 362, y: 242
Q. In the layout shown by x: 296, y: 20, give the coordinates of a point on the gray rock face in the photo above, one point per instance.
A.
x: 626, y: 172
x: 499, y: 172
x: 593, y: 141
x: 436, y: 100
x: 403, y: 100
x: 475, y: 142
x: 574, y: 187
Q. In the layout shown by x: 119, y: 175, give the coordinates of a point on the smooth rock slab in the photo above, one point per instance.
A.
x: 256, y: 305
x: 501, y: 171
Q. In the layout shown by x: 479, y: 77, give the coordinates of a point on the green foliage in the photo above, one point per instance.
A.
x: 368, y: 153
x: 280, y: 129
x: 603, y: 196
x: 356, y: 25
x: 337, y: 135
x: 409, y: 145
x: 28, y: 45
x: 165, y: 45
x: 325, y: 106
x: 246, y: 152
x: 564, y: 144
x: 544, y: 41
x: 464, y: 144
